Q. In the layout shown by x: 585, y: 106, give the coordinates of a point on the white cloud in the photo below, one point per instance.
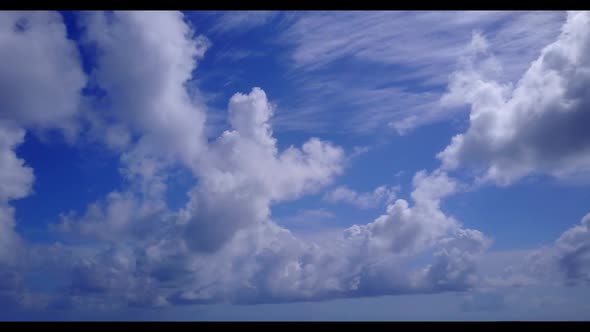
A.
x: 118, y: 216
x: 574, y: 252
x: 144, y: 67
x: 40, y: 74
x: 40, y: 82
x: 242, y: 21
x: 15, y: 178
x: 410, y: 229
x: 536, y: 127
x: 267, y: 263
x: 408, y: 38
x: 243, y: 173
x: 223, y: 245
x: 394, y: 65
x: 381, y: 194
x: 263, y: 262
x: 147, y: 114
x: 564, y: 262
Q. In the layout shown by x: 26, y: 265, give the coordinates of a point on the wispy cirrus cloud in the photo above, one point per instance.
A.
x: 241, y: 21
x: 390, y: 68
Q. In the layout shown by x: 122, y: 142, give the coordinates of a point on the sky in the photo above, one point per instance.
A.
x: 286, y: 165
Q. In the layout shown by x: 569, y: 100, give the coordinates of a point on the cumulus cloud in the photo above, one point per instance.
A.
x: 537, y: 126
x: 564, y: 262
x: 119, y: 215
x: 40, y: 83
x: 143, y: 67
x: 244, y: 170
x: 381, y: 194
x: 16, y: 180
x: 223, y: 246
x: 40, y: 74
x: 573, y: 248
x: 409, y: 229
x: 15, y: 177
x: 146, y: 114
x: 267, y: 263
x: 240, y: 175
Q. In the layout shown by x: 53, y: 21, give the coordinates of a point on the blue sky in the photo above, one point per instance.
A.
x: 216, y: 165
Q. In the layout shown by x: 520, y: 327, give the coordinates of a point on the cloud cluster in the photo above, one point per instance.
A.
x: 226, y: 248
x: 131, y: 249
x: 263, y: 262
x: 537, y: 126
x: 40, y: 84
x: 534, y: 127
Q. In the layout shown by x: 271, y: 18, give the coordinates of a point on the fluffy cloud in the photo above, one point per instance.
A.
x: 16, y: 180
x: 407, y: 230
x: 536, y: 127
x: 15, y: 177
x: 573, y: 248
x: 40, y: 74
x: 240, y: 175
x: 144, y: 68
x: 223, y: 245
x: 40, y: 84
x: 119, y: 215
x: 243, y: 173
x: 564, y: 262
x: 146, y: 113
x: 361, y: 200
x: 267, y: 263
x: 263, y: 262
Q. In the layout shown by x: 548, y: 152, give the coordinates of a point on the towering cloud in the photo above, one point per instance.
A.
x: 243, y: 173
